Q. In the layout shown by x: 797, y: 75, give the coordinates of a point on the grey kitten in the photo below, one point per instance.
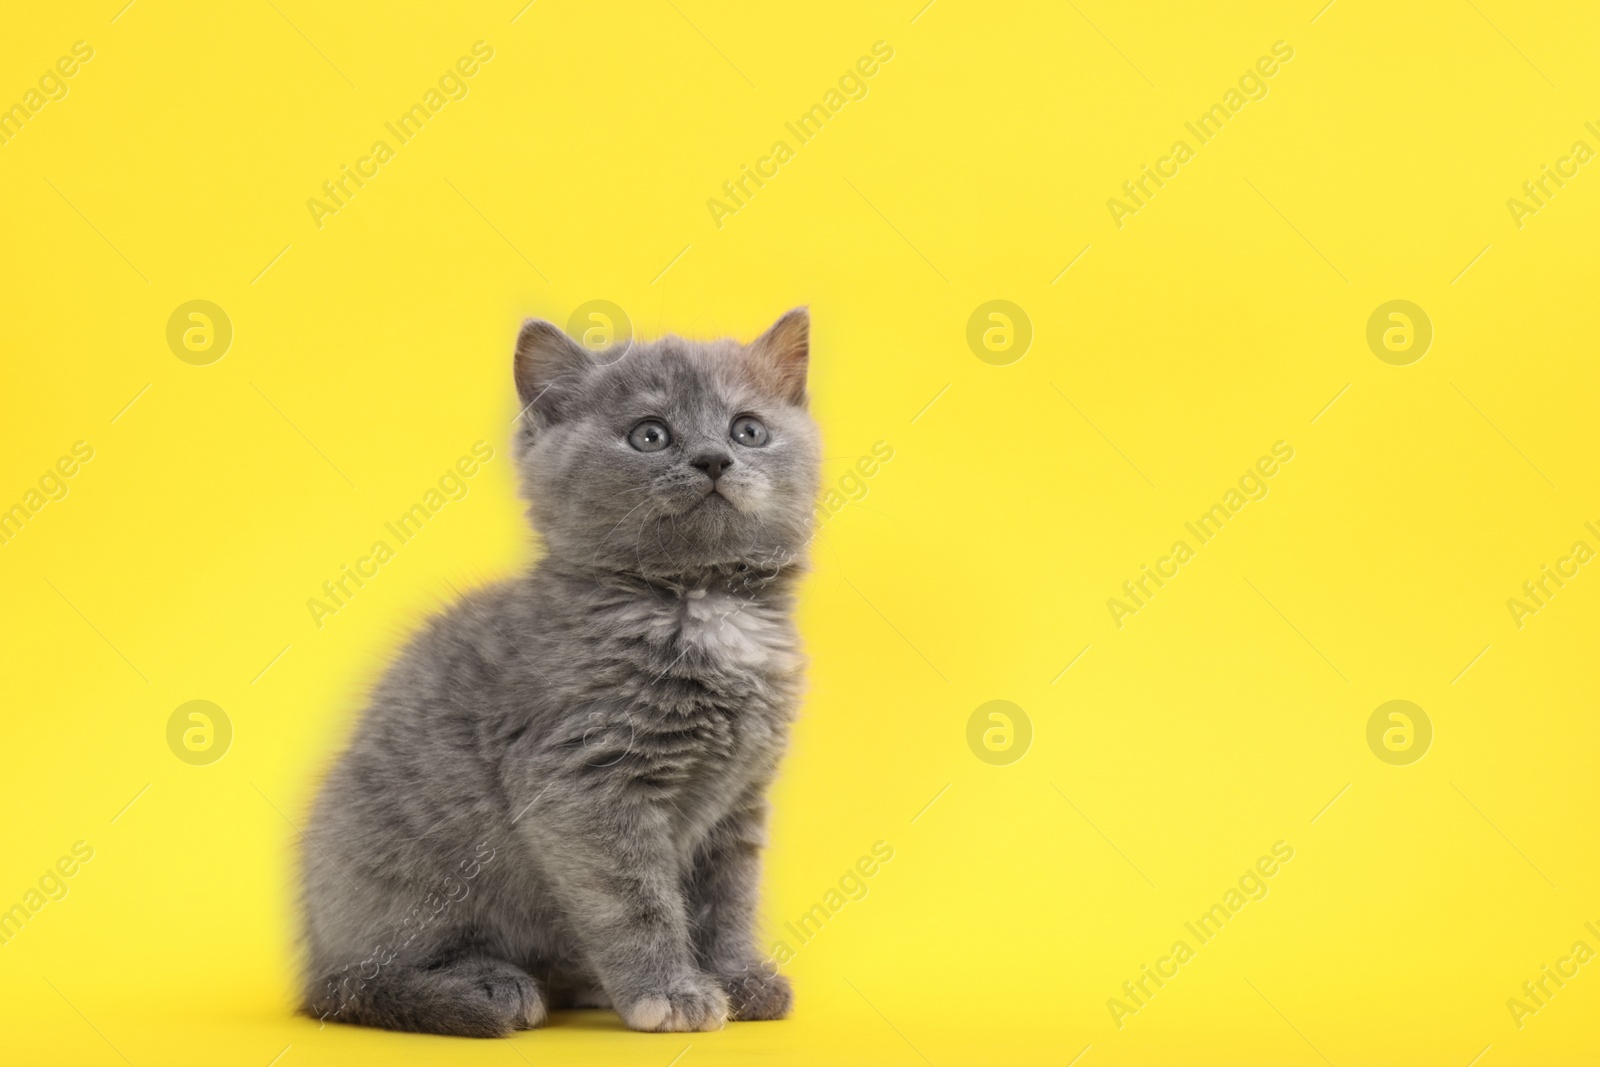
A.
x: 557, y: 795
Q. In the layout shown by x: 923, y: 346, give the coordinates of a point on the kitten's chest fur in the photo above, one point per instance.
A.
x: 684, y: 691
x: 726, y: 636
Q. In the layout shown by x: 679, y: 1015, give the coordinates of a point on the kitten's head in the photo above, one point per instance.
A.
x: 668, y: 457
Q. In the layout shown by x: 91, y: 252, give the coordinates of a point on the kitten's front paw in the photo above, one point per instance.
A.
x: 757, y: 993
x: 695, y: 1003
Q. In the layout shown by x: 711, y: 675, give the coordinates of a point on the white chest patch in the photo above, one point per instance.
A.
x: 734, y: 630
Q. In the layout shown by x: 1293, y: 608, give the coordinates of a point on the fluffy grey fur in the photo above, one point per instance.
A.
x: 557, y: 794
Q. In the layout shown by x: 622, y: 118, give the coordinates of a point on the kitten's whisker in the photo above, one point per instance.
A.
x: 620, y: 521
x: 638, y: 555
x: 594, y: 559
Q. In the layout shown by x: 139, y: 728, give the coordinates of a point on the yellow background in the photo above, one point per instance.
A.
x: 1223, y: 317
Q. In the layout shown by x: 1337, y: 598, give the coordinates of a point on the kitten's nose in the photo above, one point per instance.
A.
x: 713, y: 463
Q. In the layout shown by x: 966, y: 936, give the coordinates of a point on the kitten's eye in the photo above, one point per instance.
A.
x: 748, y: 431
x: 649, y: 436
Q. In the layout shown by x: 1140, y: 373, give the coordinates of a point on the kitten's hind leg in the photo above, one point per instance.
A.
x: 472, y: 996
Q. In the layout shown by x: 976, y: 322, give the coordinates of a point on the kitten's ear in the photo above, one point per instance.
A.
x: 547, y: 364
x: 785, y: 350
